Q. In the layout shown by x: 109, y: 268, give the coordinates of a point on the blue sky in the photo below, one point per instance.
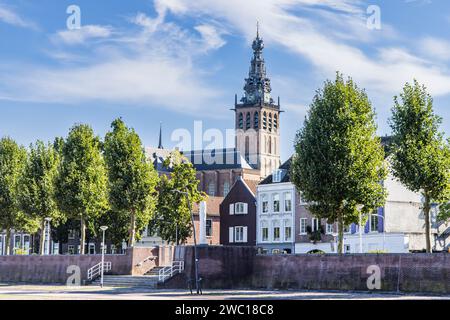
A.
x: 178, y: 61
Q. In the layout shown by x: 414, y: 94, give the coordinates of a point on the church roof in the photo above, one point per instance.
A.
x: 216, y: 159
x: 257, y: 86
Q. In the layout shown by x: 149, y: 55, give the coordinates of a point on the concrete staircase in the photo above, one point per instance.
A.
x: 147, y: 281
x: 154, y: 271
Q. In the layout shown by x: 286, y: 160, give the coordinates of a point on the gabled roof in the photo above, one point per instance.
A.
x: 286, y: 178
x: 250, y: 185
x: 216, y: 159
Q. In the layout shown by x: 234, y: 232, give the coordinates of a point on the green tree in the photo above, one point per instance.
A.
x: 172, y: 221
x: 420, y: 156
x: 82, y: 185
x: 132, y: 178
x: 12, y: 163
x: 338, y: 163
x: 38, y: 187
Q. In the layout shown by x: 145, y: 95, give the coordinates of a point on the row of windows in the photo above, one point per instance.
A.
x: 275, y: 204
x: 268, y: 121
x: 212, y: 188
x: 315, y: 224
x: 276, y: 232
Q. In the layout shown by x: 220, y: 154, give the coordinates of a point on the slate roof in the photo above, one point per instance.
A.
x: 223, y: 159
x: 287, y: 177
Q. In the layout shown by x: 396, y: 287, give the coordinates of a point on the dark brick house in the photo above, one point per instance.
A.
x: 238, y: 215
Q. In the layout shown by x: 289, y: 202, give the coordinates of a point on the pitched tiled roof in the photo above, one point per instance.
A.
x: 252, y: 185
x: 212, y: 206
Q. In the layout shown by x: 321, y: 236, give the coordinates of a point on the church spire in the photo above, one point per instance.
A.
x: 257, y: 86
x: 160, y: 146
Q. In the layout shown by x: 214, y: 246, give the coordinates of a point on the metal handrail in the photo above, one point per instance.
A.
x: 170, y: 271
x: 96, y: 270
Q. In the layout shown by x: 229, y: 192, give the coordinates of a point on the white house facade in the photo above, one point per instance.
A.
x: 275, y: 227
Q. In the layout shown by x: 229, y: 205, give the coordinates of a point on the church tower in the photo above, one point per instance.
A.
x: 258, y: 117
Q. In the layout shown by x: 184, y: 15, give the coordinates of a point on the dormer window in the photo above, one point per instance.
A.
x: 278, y: 175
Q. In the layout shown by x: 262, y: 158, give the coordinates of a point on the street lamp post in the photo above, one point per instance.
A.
x: 47, y: 236
x: 195, y: 240
x: 103, y: 228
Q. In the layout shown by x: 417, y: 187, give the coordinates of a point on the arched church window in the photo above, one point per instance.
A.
x: 248, y: 121
x: 275, y: 122
x: 241, y: 121
x: 270, y: 145
x: 212, y: 189
x: 270, y: 122
x: 264, y: 120
x: 226, y: 188
x: 256, y: 120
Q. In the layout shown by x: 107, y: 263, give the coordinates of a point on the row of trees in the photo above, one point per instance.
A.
x: 82, y: 178
x: 339, y: 162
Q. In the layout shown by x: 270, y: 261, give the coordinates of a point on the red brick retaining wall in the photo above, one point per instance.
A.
x: 241, y: 267
x: 53, y: 269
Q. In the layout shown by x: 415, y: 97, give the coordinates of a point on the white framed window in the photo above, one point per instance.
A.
x: 264, y: 231
x: 276, y: 202
x: 212, y: 189
x: 240, y: 208
x: 26, y: 243
x: 226, y: 188
x: 17, y: 242
x: 55, y: 248
x: 231, y: 211
x: 373, y: 225
x: 276, y: 176
x: 288, y: 202
x: 276, y: 231
x: 91, y: 248
x: 239, y: 234
x: 264, y: 203
x: 329, y: 228
x: 287, y: 230
x: 314, y: 224
x: 209, y: 227
x: 303, y: 225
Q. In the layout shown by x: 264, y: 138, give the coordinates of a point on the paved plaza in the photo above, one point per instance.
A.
x: 34, y: 292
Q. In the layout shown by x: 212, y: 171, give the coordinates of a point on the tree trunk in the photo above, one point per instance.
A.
x: 7, y: 242
x: 340, y: 232
x: 132, y: 229
x: 83, y: 235
x: 426, y: 211
x: 42, y: 239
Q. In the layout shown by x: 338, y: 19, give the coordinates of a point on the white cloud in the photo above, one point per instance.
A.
x: 9, y: 16
x: 284, y: 23
x: 435, y: 48
x: 153, y: 66
x: 211, y: 36
x: 79, y: 36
